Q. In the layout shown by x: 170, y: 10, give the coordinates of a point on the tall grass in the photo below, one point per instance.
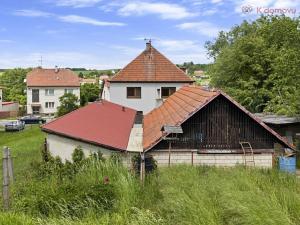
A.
x: 176, y: 195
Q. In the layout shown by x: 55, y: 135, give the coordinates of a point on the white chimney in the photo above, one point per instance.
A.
x: 56, y: 69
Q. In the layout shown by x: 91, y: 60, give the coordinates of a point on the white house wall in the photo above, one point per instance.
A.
x: 149, y: 99
x: 0, y: 99
x: 43, y: 98
x: 64, y: 147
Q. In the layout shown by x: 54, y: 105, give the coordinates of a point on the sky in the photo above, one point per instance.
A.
x: 101, y: 34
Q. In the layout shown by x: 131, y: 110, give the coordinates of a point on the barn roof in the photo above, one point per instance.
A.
x: 182, y: 105
x: 100, y: 123
x: 151, y: 66
x: 58, y: 77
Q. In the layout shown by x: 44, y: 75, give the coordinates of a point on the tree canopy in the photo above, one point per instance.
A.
x: 68, y: 103
x: 89, y: 93
x: 13, y: 84
x: 258, y: 63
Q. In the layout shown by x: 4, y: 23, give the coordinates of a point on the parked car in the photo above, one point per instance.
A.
x: 14, y: 125
x: 33, y: 120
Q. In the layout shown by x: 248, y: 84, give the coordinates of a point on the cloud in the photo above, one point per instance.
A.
x: 32, y: 13
x: 66, y: 18
x: 164, y: 10
x: 6, y: 41
x: 204, y: 28
x: 3, y: 29
x: 77, y: 3
x: 126, y: 50
x: 87, y: 20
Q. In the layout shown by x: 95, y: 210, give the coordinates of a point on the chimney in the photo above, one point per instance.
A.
x: 148, y: 45
x: 56, y: 69
x: 123, y: 108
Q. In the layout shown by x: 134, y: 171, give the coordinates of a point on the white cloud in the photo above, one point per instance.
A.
x: 77, y: 3
x: 126, y: 50
x: 204, y: 28
x: 87, y: 20
x: 66, y: 18
x: 6, y: 41
x: 3, y: 29
x: 32, y: 13
x: 164, y: 10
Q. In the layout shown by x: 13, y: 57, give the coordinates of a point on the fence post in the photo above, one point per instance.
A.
x: 5, y: 178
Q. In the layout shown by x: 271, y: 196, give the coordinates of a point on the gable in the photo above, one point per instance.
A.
x: 189, y: 100
x: 151, y: 66
x: 221, y: 125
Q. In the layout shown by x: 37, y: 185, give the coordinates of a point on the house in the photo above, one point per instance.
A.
x: 286, y: 126
x: 211, y: 126
x: 46, y: 86
x: 8, y: 109
x: 192, y: 126
x: 83, y: 81
x: 146, y: 81
x: 100, y: 126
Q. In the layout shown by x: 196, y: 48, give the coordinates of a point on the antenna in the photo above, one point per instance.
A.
x: 41, y: 61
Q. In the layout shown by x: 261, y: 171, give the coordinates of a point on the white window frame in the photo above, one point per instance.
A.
x: 69, y: 90
x: 49, y: 105
x: 49, y: 92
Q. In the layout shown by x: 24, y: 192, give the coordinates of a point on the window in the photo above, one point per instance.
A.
x: 69, y: 91
x: 35, y: 95
x: 167, y: 91
x: 133, y: 92
x: 35, y: 110
x: 49, y: 92
x: 49, y: 105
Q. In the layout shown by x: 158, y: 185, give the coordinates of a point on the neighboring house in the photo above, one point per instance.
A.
x: 286, y: 126
x: 146, y: 81
x: 100, y: 126
x: 8, y: 109
x: 213, y: 125
x: 88, y: 81
x: 193, y: 126
x: 46, y: 86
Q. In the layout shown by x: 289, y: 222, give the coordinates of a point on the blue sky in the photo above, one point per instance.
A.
x: 108, y: 34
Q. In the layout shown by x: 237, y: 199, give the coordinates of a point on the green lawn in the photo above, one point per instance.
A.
x: 25, y: 146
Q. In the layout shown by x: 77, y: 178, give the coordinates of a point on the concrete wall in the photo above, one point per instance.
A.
x: 149, y: 97
x: 58, y: 92
x: 105, y: 93
x: 14, y: 107
x: 261, y: 160
x: 64, y: 147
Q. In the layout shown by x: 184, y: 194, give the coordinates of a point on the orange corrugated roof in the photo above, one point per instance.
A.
x: 49, y: 78
x: 181, y: 106
x: 151, y: 66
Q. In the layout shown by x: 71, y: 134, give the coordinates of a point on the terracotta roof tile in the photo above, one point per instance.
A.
x: 49, y: 78
x: 101, y: 123
x: 182, y: 105
x: 151, y: 66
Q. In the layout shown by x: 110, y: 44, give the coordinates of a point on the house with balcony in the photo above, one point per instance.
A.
x: 46, y: 86
x: 145, y: 82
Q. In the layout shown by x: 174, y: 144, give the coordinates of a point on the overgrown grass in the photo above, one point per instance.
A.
x: 25, y: 146
x: 176, y: 195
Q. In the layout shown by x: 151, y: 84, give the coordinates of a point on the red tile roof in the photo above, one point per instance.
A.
x: 151, y: 66
x: 100, y: 123
x: 49, y: 78
x: 181, y: 106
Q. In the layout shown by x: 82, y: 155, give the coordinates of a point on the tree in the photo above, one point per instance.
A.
x: 89, y: 93
x: 14, y: 86
x: 68, y: 103
x: 258, y: 64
